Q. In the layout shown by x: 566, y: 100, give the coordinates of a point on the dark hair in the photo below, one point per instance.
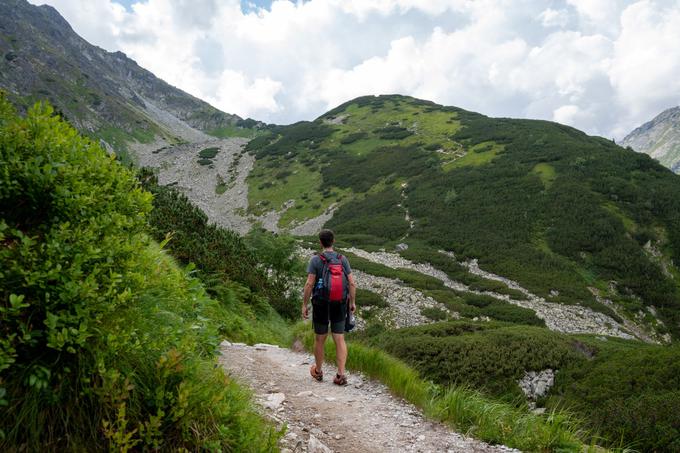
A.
x: 327, y: 238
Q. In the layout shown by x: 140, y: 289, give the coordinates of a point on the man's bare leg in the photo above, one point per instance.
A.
x: 340, y: 352
x: 319, y: 341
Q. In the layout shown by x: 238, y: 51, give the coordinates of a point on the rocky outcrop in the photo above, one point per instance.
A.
x: 660, y: 138
x: 536, y: 384
x: 404, y: 303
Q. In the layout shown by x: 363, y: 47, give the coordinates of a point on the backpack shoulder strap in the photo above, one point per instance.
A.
x: 340, y: 257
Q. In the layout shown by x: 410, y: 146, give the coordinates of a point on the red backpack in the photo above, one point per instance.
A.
x: 333, y: 286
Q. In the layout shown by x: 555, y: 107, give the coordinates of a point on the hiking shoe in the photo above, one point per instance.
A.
x: 318, y: 375
x: 340, y: 379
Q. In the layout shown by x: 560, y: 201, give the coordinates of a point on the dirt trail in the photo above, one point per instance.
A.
x: 323, y: 417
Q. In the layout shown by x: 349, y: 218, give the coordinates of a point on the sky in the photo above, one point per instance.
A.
x: 603, y: 66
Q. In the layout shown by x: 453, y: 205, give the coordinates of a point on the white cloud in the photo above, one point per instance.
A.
x: 569, y: 114
x: 604, y: 66
x: 599, y: 14
x: 554, y: 17
x: 250, y: 98
x: 646, y: 60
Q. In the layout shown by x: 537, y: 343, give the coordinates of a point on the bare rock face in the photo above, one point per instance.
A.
x: 537, y: 384
x: 660, y: 138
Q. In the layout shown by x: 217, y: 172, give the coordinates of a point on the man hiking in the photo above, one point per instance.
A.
x: 331, y: 286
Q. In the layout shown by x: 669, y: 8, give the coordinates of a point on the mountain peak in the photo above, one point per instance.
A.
x: 660, y: 138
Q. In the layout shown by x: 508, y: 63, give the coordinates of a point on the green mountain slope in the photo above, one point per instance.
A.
x: 106, y: 95
x: 567, y: 215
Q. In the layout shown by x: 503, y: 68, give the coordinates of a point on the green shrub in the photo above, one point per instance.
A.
x: 220, y: 253
x: 205, y: 161
x: 393, y: 132
x: 367, y: 298
x: 628, y: 392
x: 296, y: 137
x: 478, y: 301
x: 419, y: 253
x: 506, y: 312
x: 104, y: 342
x: 208, y: 153
x: 432, y: 146
x: 490, y: 357
x: 434, y: 313
x: 385, y: 223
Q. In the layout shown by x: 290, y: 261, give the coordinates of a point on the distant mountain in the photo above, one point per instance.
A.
x: 660, y: 138
x: 574, y: 218
x: 105, y: 95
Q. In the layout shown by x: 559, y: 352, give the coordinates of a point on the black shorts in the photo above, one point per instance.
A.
x: 324, y: 313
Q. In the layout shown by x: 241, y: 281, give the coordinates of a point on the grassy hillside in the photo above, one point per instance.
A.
x: 105, y: 342
x: 563, y: 213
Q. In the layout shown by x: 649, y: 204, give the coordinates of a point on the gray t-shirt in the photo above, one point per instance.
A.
x: 315, y: 265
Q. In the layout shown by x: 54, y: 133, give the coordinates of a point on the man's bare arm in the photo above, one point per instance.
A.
x: 307, y: 293
x: 352, y: 292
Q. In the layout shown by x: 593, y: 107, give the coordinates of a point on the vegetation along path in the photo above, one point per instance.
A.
x: 323, y: 417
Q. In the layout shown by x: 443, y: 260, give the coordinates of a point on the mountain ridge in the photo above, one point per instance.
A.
x: 104, y: 94
x: 534, y: 201
x: 659, y: 137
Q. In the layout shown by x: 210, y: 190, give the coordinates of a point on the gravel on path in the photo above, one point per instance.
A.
x: 320, y: 416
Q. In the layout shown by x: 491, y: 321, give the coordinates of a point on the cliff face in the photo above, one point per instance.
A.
x: 101, y: 93
x: 660, y: 138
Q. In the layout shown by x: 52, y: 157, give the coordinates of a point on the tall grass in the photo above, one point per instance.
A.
x: 462, y: 408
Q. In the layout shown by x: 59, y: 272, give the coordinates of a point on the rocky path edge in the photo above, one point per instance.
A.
x: 323, y: 417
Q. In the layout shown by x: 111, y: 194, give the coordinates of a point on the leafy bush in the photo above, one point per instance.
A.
x: 506, y: 312
x: 208, y: 153
x: 490, y: 357
x: 105, y: 343
x: 367, y: 298
x: 628, y: 393
x: 218, y: 252
x: 434, y: 313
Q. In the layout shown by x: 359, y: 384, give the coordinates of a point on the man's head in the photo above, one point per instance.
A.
x: 327, y: 238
